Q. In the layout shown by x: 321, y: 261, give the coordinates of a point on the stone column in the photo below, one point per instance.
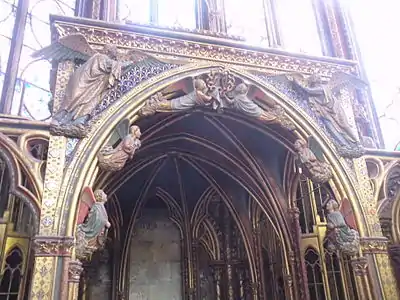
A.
x: 299, y: 267
x: 360, y: 265
x: 375, y: 249
x: 50, y: 251
x: 74, y: 275
x: 394, y: 254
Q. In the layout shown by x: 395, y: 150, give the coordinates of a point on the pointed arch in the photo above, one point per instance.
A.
x: 82, y: 170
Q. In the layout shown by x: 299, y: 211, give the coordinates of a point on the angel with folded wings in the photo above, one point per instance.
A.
x: 92, y: 222
x: 311, y: 159
x: 342, y: 234
x: 324, y: 100
x: 127, y: 138
x: 85, y: 89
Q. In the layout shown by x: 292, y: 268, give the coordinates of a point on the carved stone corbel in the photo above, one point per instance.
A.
x: 75, y: 269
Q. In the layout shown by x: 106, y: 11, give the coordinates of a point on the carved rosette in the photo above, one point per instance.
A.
x: 374, y: 245
x: 74, y: 271
x: 360, y: 266
x: 53, y: 245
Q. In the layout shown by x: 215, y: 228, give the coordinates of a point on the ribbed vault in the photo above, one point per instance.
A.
x: 187, y: 157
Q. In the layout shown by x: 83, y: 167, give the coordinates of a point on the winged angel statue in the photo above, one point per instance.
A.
x: 324, y: 100
x: 342, y: 234
x: 311, y: 159
x: 92, y: 223
x: 127, y: 141
x: 99, y: 72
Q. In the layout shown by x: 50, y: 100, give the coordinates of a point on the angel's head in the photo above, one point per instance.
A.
x: 315, y: 79
x: 332, y: 205
x: 242, y: 88
x: 199, y: 84
x: 135, y: 131
x: 110, y: 50
x: 100, y: 196
x: 300, y: 144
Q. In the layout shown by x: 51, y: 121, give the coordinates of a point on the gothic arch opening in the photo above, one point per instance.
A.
x: 203, y: 196
x: 185, y: 209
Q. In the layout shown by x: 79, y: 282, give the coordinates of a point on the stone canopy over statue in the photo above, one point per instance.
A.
x: 325, y: 100
x: 86, y: 87
x: 218, y: 90
x: 92, y: 223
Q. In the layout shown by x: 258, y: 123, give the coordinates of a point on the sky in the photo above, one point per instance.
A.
x: 376, y: 25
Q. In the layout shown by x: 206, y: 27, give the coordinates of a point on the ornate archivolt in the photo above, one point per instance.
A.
x: 79, y: 165
x: 175, y: 75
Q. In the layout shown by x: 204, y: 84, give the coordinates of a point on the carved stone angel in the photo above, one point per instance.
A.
x: 340, y: 236
x: 324, y: 100
x: 315, y: 168
x: 239, y: 100
x: 86, y: 86
x: 92, y: 223
x: 114, y: 159
x: 199, y: 96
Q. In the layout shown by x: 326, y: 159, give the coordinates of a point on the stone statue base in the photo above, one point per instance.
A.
x: 351, y: 151
x: 72, y: 131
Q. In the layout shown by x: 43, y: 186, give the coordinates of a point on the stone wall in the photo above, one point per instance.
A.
x: 155, y: 259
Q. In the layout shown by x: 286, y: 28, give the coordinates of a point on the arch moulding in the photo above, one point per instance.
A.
x: 82, y: 168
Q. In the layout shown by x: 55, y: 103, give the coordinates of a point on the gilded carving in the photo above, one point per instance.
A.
x: 88, y: 83
x: 315, y: 168
x: 374, y: 244
x: 114, y: 159
x: 53, y: 245
x: 219, y: 90
x: 205, y: 51
x: 324, y: 98
x: 93, y: 224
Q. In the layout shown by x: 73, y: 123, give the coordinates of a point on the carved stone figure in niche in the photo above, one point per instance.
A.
x: 325, y: 100
x: 340, y: 236
x: 198, y: 97
x: 93, y: 224
x: 218, y: 89
x: 114, y: 159
x: 314, y: 167
x: 88, y: 83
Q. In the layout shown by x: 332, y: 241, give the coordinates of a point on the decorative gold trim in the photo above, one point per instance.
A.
x: 210, y: 49
x: 373, y: 245
x: 53, y: 245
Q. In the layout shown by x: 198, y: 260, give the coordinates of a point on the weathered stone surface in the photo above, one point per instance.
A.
x: 155, y: 267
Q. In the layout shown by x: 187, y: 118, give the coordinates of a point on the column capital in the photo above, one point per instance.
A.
x: 374, y: 245
x: 75, y: 269
x: 360, y: 265
x: 53, y: 245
